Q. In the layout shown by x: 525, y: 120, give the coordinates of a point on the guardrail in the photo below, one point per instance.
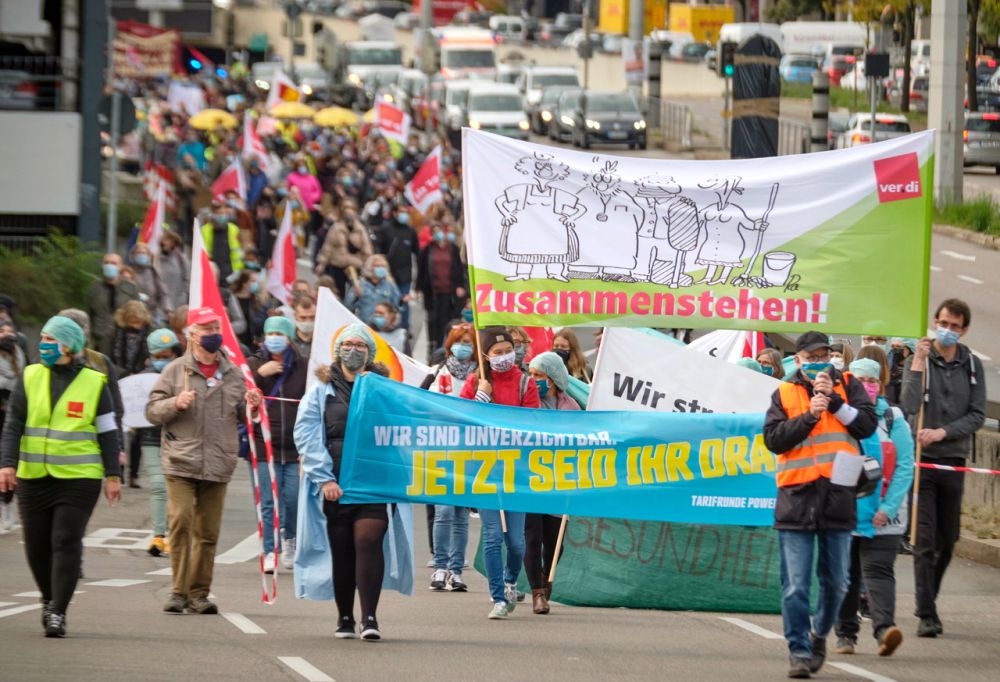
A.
x: 672, y: 120
x: 794, y: 137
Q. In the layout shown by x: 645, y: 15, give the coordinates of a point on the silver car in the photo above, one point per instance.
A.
x: 982, y: 139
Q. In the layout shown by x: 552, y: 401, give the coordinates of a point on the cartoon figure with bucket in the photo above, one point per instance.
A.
x: 777, y: 264
x: 723, y: 247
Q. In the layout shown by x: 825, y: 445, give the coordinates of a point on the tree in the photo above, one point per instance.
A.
x: 790, y: 10
x: 989, y: 21
x: 970, y: 63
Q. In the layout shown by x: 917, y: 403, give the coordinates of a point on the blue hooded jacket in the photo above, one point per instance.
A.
x: 893, y: 502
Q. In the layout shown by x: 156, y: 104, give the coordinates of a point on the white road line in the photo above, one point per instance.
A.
x: 305, y: 668
x: 36, y: 595
x: 116, y: 582
x: 161, y: 571
x: 19, y: 609
x: 971, y: 280
x: 984, y: 358
x: 750, y: 627
x: 861, y: 672
x: 7, y: 603
x: 957, y: 256
x: 935, y: 268
x: 246, y: 549
x: 244, y: 624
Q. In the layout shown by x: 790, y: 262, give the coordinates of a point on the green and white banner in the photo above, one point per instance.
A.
x: 837, y: 241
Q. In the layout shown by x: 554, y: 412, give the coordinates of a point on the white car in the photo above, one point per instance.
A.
x: 497, y: 108
x: 537, y: 78
x: 859, y: 129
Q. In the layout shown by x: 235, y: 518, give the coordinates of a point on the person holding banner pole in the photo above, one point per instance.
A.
x: 814, y: 424
x: 945, y: 383
x: 542, y: 531
x: 500, y: 381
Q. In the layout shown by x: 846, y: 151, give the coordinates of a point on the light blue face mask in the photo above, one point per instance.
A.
x: 814, y: 369
x: 462, y: 351
x: 438, y: 235
x: 379, y: 321
x: 160, y: 363
x: 109, y: 270
x: 379, y: 272
x: 946, y: 337
x: 254, y: 287
x: 276, y: 343
x: 142, y: 259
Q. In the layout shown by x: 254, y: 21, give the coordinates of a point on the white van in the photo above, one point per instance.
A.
x: 497, y: 108
x: 536, y: 78
x: 507, y: 29
x: 818, y: 37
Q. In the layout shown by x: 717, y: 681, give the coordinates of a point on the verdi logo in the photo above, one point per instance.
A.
x: 898, y: 177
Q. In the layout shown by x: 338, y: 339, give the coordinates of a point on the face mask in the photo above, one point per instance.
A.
x: 220, y: 220
x: 379, y: 272
x: 293, y: 204
x: 462, y: 351
x: 211, y: 342
x: 159, y: 363
x: 872, y: 389
x: 254, y: 287
x: 502, y: 363
x: 49, y: 352
x: 411, y: 150
x: 252, y: 266
x: 438, y: 235
x: 543, y: 387
x: 519, y: 353
x: 381, y: 177
x: 110, y: 270
x: 767, y: 369
x: 301, y: 170
x: 813, y: 369
x: 838, y: 363
x: 275, y: 344
x: 451, y: 237
x: 467, y: 315
x: 562, y: 353
x: 347, y: 181
x: 379, y: 321
x: 946, y: 337
x: 305, y: 327
x: 142, y: 259
x: 353, y: 359
x: 403, y: 218
x: 897, y: 356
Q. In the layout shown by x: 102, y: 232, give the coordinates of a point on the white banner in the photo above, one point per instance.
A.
x: 679, y: 379
x: 135, y: 392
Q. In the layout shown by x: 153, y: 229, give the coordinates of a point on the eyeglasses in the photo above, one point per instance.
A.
x: 350, y: 345
x: 825, y: 357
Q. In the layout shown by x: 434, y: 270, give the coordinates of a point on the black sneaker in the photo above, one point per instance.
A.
x: 176, y: 604
x: 798, y: 668
x: 819, y: 653
x: 346, y: 628
x: 370, y: 631
x: 55, y: 624
x: 927, y: 628
x: 845, y: 645
x: 202, y: 606
x: 938, y: 625
x: 864, y: 610
x: 905, y: 547
x: 46, y: 610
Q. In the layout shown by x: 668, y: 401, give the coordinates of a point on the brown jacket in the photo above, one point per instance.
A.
x: 201, y: 442
x: 335, y: 250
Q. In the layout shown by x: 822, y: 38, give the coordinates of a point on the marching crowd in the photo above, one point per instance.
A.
x: 62, y: 433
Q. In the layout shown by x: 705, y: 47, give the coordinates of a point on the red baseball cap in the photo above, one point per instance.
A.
x: 203, y: 315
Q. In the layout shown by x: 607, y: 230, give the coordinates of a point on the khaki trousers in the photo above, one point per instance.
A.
x: 194, y: 511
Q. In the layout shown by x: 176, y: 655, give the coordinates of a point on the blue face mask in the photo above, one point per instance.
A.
x: 379, y: 321
x: 946, y: 337
x: 49, y: 352
x: 462, y: 351
x: 302, y: 170
x: 254, y: 287
x: 142, y: 259
x: 451, y: 237
x: 467, y: 315
x: 159, y: 363
x: 814, y: 369
x: 438, y: 235
x: 543, y: 387
x: 403, y: 218
x: 276, y: 344
x: 110, y: 270
x: 768, y: 370
x: 379, y: 272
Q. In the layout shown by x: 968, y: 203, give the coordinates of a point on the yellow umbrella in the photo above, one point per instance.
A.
x: 369, y: 116
x: 333, y: 117
x: 292, y: 110
x: 210, y: 119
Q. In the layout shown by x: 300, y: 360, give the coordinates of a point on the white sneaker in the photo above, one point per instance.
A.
x: 269, y: 563
x: 510, y: 594
x: 439, y: 580
x: 500, y: 611
x: 8, y: 518
x: 288, y: 554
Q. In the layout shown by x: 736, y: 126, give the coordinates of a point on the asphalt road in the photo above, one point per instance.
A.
x: 117, y: 632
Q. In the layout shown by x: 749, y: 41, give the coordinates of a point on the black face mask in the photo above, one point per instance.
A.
x: 211, y: 342
x: 563, y: 353
x: 897, y: 356
x: 7, y: 344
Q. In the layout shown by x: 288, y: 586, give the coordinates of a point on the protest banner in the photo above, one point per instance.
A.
x: 282, y: 89
x: 730, y: 345
x: 393, y: 122
x: 135, y: 392
x: 424, y: 189
x: 792, y: 243
x: 144, y: 51
x: 405, y: 444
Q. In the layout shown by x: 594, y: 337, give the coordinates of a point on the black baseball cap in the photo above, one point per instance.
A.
x: 811, y: 341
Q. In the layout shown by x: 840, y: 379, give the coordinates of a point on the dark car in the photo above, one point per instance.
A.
x: 605, y: 117
x: 541, y: 118
x: 552, y: 33
x: 694, y: 52
x: 561, y: 125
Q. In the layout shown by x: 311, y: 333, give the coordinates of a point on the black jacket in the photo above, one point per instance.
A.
x: 336, y: 408
x: 399, y: 244
x: 819, y: 504
x: 280, y: 413
x: 457, y: 277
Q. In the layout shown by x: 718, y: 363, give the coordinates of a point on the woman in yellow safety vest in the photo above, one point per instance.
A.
x: 59, y: 440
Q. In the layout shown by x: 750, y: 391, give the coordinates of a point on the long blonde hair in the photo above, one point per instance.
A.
x: 577, y: 363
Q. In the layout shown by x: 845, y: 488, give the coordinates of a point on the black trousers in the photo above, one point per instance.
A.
x: 872, y: 561
x: 440, y: 311
x: 541, y: 531
x: 939, y: 512
x: 54, y: 516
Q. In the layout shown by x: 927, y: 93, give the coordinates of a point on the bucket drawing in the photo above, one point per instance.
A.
x: 777, y: 267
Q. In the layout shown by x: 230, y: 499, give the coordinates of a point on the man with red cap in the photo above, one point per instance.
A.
x: 197, y: 402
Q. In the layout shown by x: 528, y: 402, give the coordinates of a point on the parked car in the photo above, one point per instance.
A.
x: 605, y: 117
x: 509, y: 73
x: 694, y: 52
x: 17, y: 90
x: 408, y: 85
x: 837, y: 122
x: 507, y: 28
x: 577, y: 38
x: 262, y: 73
x: 985, y: 68
x: 551, y: 34
x: 982, y: 139
x: 313, y: 79
x: 497, y: 108
x: 859, y: 129
x: 453, y: 113
x: 710, y: 59
x: 612, y: 43
x: 797, y: 68
x: 540, y: 117
x: 919, y: 86
x: 407, y: 21
x: 563, y: 122
x: 836, y: 65
x: 534, y: 79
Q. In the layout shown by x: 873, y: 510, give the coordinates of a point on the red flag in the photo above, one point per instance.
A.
x: 281, y: 272
x: 253, y: 147
x: 152, y: 224
x: 204, y: 292
x: 541, y: 341
x: 425, y: 187
x: 392, y: 121
x: 153, y: 175
x: 282, y: 90
x: 753, y: 344
x: 230, y: 180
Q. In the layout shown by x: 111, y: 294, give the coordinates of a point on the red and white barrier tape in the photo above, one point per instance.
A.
x: 945, y: 467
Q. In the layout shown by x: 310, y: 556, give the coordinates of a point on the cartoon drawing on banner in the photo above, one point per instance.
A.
x: 538, y: 220
x: 725, y: 245
x: 608, y: 233
x: 669, y: 232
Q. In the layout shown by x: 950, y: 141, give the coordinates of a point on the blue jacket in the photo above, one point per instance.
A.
x: 893, y: 502
x: 371, y: 295
x: 313, y: 558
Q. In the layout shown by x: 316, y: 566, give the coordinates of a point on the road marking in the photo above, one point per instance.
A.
x: 984, y: 358
x: 245, y: 625
x: 117, y: 582
x: 958, y: 256
x: 246, y: 549
x: 161, y: 571
x: 38, y: 595
x: 19, y: 609
x: 305, y: 668
x: 861, y: 672
x: 935, y: 268
x: 119, y: 538
x: 971, y: 280
x: 750, y: 627
x: 7, y: 603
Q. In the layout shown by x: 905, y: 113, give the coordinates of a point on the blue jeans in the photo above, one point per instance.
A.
x: 493, y: 537
x: 451, y: 535
x: 404, y: 289
x: 157, y: 488
x: 288, y: 499
x: 832, y: 569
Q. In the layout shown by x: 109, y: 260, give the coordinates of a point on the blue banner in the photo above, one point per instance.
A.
x: 408, y: 445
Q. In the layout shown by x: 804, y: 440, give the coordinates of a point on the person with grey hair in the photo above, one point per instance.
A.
x: 376, y: 285
x: 105, y: 297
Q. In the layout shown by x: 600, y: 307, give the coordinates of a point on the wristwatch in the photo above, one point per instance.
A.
x: 114, y: 479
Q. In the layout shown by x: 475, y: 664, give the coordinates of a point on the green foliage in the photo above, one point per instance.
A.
x: 130, y: 214
x: 989, y: 22
x: 853, y: 101
x: 56, y: 276
x: 981, y: 214
x: 790, y: 10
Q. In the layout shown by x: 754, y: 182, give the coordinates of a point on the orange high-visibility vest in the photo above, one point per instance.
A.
x: 813, y: 457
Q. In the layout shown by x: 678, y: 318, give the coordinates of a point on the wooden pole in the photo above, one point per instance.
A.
x: 916, y: 464
x: 559, y: 542
x: 482, y: 377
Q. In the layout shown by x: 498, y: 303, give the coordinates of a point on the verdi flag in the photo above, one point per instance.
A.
x: 282, y: 268
x: 152, y: 223
x: 393, y: 122
x: 792, y: 243
x: 424, y: 189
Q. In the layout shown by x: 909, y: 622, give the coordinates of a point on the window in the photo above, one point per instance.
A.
x: 609, y: 103
x: 377, y: 56
x: 495, y: 103
x: 542, y: 80
x: 468, y: 59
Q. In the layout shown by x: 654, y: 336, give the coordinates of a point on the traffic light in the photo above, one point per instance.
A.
x: 724, y: 59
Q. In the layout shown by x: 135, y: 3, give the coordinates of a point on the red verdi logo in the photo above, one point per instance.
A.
x: 74, y: 410
x: 898, y: 177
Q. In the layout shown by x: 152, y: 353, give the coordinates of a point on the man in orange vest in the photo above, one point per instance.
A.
x: 818, y: 415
